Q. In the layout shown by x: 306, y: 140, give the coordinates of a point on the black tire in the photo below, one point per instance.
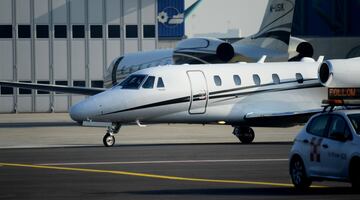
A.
x: 298, y: 174
x: 355, y: 173
x: 247, y: 135
x: 108, y: 140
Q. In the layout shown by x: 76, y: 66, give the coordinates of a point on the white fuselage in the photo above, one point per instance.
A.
x: 190, y: 94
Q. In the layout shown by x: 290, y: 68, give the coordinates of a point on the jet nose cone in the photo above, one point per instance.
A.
x: 84, y: 110
x: 77, y: 113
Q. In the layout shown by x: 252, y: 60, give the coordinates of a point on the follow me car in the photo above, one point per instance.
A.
x: 328, y: 148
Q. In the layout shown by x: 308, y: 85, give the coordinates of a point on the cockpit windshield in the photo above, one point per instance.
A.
x: 133, y: 81
x: 149, y: 83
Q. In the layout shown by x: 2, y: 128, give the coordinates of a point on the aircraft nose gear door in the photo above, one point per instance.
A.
x: 199, y: 92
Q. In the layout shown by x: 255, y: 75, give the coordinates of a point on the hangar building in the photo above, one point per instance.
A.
x: 331, y: 26
x: 71, y: 42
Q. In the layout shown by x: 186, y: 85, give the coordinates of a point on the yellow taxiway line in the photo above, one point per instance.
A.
x: 149, y: 175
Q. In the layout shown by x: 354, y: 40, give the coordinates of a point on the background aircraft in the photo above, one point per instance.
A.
x: 272, y: 40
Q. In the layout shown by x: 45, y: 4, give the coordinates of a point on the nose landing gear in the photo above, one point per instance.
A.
x: 246, y: 135
x: 109, y: 138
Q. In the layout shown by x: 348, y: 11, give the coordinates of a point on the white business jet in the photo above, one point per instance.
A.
x: 242, y: 95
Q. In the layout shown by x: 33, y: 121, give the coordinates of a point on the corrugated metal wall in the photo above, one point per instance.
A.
x: 67, y: 42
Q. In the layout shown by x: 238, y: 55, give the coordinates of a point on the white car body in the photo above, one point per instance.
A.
x: 332, y: 155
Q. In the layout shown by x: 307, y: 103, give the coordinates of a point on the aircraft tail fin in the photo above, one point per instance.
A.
x: 191, y: 8
x: 275, y: 30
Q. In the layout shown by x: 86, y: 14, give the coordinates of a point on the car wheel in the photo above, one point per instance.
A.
x: 298, y: 174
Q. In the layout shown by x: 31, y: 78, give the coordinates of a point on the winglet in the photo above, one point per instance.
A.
x: 262, y: 59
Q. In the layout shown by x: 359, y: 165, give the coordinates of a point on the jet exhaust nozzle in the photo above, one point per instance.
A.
x: 225, y: 52
x: 203, y: 50
x: 324, y: 73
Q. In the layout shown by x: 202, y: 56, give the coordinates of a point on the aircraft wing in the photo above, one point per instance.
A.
x: 53, y: 88
x: 286, y: 119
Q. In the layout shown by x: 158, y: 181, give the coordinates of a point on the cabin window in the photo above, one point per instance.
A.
x: 217, y: 80
x: 237, y: 80
x: 276, y: 79
x: 299, y: 78
x: 256, y: 79
x: 160, y: 83
x: 133, y: 81
x: 149, y: 83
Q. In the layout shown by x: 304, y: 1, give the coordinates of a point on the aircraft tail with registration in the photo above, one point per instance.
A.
x: 272, y: 40
x: 273, y: 37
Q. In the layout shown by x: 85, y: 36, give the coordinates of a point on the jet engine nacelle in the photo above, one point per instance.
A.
x: 340, y: 73
x: 203, y: 50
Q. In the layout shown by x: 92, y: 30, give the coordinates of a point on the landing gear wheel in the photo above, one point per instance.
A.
x: 246, y: 135
x: 298, y: 174
x: 108, y: 140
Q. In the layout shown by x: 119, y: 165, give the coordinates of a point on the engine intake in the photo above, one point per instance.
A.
x: 203, y: 50
x: 324, y: 73
x: 340, y: 73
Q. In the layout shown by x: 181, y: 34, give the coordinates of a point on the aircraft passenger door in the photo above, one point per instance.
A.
x: 199, y: 92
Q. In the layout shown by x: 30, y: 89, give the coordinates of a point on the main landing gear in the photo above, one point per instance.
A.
x: 246, y: 135
x: 109, y: 139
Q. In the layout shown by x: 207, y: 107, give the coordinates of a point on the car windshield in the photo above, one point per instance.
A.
x: 355, y: 121
x: 132, y: 82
